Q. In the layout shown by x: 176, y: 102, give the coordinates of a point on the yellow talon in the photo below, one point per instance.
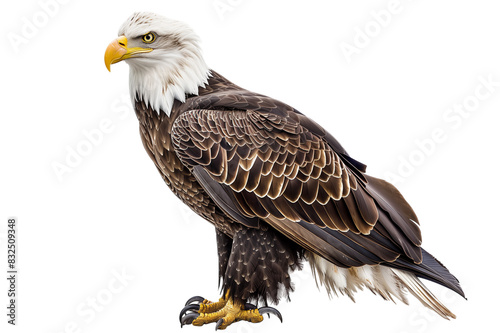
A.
x: 227, y: 310
x: 207, y: 306
x: 224, y: 312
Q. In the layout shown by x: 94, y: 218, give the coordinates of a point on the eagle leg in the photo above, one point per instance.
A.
x: 224, y: 312
x: 254, y: 266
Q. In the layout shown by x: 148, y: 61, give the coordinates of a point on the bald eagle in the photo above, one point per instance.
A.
x: 278, y: 188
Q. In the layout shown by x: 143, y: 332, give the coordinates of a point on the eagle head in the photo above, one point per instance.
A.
x: 164, y: 57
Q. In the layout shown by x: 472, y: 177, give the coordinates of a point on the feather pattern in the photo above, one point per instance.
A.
x: 308, y: 183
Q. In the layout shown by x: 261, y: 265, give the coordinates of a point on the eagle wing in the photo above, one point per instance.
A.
x: 283, y: 168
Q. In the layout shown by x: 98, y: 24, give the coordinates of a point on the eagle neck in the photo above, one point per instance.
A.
x: 158, y: 87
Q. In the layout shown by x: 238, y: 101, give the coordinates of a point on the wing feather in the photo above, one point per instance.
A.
x: 284, y: 170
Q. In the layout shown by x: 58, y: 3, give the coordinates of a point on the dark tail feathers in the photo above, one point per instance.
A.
x: 430, y: 269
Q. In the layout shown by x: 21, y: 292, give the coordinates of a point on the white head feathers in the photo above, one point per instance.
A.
x: 173, y: 69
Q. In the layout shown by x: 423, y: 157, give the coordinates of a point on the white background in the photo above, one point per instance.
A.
x: 111, y: 213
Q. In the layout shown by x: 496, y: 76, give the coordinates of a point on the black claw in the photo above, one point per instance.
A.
x: 219, y: 322
x: 250, y: 306
x: 187, y: 308
x: 188, y: 319
x: 268, y: 310
x: 198, y: 299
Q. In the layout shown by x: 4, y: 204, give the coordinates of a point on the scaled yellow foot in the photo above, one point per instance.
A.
x: 224, y: 312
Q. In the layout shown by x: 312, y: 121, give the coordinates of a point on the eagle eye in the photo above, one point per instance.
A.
x: 149, y: 37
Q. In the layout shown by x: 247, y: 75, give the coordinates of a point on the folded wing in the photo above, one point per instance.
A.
x: 285, y: 171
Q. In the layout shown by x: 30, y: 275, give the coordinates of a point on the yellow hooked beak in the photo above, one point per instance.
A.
x: 117, y: 51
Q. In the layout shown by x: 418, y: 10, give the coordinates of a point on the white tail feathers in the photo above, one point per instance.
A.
x: 424, y: 295
x: 384, y: 281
